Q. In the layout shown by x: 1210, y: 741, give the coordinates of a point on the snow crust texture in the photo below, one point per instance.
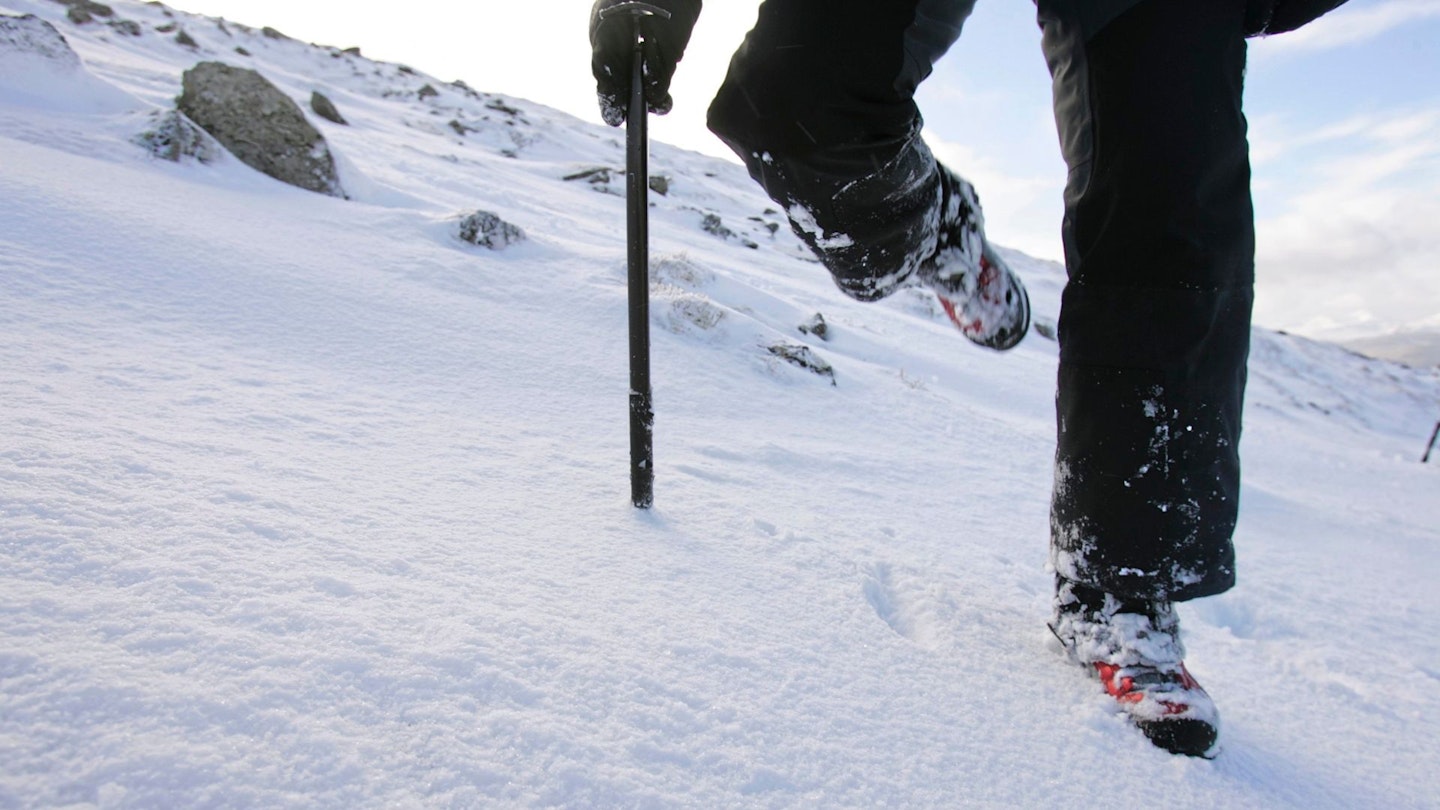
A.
x: 306, y: 503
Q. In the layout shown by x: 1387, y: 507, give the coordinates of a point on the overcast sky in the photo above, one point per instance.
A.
x: 1344, y: 115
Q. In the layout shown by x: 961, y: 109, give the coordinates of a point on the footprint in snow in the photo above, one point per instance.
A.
x: 914, y: 607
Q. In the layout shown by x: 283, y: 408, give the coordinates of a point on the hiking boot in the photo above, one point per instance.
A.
x: 980, y: 293
x: 1134, y: 649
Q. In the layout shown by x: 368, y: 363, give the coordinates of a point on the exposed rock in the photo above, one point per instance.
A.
x: 351, y: 51
x: 271, y: 33
x: 325, y: 108
x: 129, y: 28
x: 28, y: 34
x: 500, y: 106
x: 428, y: 92
x: 260, y: 125
x: 804, y: 358
x: 816, y: 326
x: 772, y: 227
x: 84, y: 11
x: 597, y: 176
x: 712, y: 224
x: 175, y: 137
x: 488, y: 230
x: 38, y: 68
x: 185, y: 40
x: 602, y: 177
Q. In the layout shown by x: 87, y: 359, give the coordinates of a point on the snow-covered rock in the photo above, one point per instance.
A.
x: 488, y: 230
x: 38, y: 69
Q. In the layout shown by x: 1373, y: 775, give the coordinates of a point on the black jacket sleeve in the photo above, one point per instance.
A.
x: 1279, y: 16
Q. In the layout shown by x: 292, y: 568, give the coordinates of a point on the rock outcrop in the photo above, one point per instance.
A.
x: 260, y: 125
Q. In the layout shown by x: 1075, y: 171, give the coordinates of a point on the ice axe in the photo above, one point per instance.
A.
x: 637, y: 227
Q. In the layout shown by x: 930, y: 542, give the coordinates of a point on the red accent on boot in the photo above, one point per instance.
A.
x: 1122, y: 687
x: 985, y: 289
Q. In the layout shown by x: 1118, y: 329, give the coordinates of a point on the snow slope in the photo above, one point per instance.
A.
x: 305, y: 503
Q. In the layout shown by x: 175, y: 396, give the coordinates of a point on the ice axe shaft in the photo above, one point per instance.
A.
x: 637, y: 222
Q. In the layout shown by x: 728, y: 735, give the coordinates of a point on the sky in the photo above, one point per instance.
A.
x: 1344, y: 128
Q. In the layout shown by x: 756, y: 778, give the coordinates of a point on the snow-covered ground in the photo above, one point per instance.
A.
x: 306, y: 503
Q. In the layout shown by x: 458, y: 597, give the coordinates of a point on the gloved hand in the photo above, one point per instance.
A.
x: 612, y: 43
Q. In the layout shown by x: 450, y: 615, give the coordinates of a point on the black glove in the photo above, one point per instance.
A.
x: 613, y: 43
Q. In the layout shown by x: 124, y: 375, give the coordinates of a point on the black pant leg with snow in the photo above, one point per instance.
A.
x: 1155, y: 319
x: 818, y: 103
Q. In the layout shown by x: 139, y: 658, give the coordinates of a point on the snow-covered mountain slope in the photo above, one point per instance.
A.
x: 306, y: 503
x: 1416, y: 346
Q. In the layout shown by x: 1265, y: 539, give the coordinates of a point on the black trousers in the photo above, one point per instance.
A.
x: 1158, y: 234
x: 819, y: 105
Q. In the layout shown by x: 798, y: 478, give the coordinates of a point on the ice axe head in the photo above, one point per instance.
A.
x: 634, y: 10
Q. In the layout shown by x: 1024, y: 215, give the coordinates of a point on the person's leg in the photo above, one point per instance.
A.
x: 1154, y: 324
x: 818, y: 104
